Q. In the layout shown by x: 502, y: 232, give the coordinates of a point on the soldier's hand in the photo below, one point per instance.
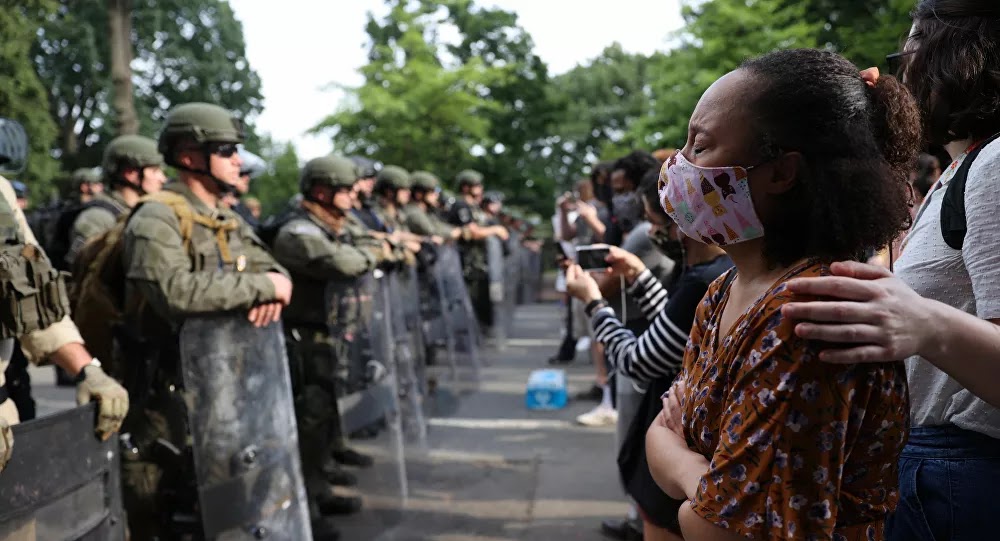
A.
x: 6, y: 443
x: 112, y: 399
x: 413, y: 246
x: 501, y: 232
x: 437, y: 240
x: 282, y: 287
x: 263, y: 315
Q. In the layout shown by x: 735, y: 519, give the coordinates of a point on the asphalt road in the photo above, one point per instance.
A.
x: 492, y: 470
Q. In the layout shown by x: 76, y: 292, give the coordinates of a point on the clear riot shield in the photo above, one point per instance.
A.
x: 495, y: 272
x: 242, y: 423
x: 511, y: 281
x: 378, y: 404
x: 62, y: 483
x: 458, y: 318
x: 531, y: 276
x: 394, y: 296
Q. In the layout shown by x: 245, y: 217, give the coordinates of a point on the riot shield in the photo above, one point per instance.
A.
x: 495, y: 272
x: 62, y: 483
x: 396, y: 296
x: 531, y: 276
x: 458, y: 318
x: 386, y: 482
x: 242, y: 423
x: 511, y: 281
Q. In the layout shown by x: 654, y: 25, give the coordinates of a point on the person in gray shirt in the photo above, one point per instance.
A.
x: 943, y: 310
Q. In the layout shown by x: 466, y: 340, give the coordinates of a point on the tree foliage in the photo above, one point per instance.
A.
x: 184, y: 50
x: 22, y: 94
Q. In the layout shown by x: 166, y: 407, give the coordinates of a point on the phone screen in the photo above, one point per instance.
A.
x: 592, y: 258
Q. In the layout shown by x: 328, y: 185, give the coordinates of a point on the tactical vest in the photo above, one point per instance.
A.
x: 33, y: 292
x: 323, y: 304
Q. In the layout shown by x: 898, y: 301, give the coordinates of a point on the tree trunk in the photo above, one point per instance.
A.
x: 120, y: 29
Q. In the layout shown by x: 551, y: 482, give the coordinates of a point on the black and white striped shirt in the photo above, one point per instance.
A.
x: 659, y: 351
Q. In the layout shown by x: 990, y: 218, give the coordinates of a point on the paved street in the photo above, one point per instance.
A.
x: 493, y: 470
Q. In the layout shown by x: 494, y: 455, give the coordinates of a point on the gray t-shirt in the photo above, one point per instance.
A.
x: 637, y: 242
x: 967, y: 279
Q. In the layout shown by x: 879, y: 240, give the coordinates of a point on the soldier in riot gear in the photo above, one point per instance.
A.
x: 186, y: 257
x: 316, y: 245
x: 86, y: 183
x: 132, y: 167
x: 364, y: 187
x: 392, y: 192
x: 40, y: 320
x: 421, y: 213
x: 466, y: 213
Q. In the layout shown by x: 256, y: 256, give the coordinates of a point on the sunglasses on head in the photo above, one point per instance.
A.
x: 225, y: 150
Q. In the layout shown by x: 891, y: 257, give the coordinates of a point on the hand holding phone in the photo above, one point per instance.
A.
x: 593, y: 257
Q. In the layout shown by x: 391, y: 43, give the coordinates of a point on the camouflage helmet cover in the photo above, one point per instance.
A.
x: 393, y: 176
x: 200, y: 123
x: 85, y: 175
x: 334, y: 171
x: 129, y: 151
x: 469, y: 177
x: 423, y: 180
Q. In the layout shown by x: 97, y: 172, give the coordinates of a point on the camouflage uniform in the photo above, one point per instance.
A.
x: 390, y: 179
x: 420, y: 219
x: 319, y: 256
x: 222, y: 270
x: 474, y: 265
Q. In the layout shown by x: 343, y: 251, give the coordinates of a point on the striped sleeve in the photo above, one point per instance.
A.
x: 657, y: 353
x: 649, y: 294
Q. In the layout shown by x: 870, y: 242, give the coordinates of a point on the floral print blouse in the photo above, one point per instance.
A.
x: 798, y: 448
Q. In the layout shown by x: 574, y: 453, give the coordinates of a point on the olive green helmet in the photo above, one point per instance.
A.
x: 129, y: 151
x: 199, y: 123
x: 422, y: 180
x: 334, y: 171
x: 392, y: 176
x: 85, y: 175
x: 469, y: 177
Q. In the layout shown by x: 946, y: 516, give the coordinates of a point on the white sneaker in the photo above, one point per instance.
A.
x: 600, y: 416
x: 583, y: 344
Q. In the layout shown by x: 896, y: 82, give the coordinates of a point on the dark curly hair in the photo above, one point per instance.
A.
x: 858, y: 144
x: 955, y: 72
x: 635, y: 165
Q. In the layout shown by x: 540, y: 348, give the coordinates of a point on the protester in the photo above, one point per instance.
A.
x: 653, y: 359
x: 951, y: 459
x: 792, y: 161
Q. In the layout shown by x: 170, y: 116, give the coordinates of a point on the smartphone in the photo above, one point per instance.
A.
x: 592, y: 258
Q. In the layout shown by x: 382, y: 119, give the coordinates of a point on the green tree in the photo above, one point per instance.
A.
x: 184, y: 50
x: 412, y: 110
x: 281, y: 181
x: 22, y: 94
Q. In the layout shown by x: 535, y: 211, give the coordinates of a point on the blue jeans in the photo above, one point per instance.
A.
x: 948, y: 480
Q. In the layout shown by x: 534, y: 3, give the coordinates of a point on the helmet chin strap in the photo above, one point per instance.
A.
x: 224, y: 187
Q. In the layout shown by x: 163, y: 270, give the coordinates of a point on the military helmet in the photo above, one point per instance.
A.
x: 422, y: 180
x: 492, y: 197
x: 20, y: 189
x: 366, y: 167
x: 334, y: 171
x: 469, y: 177
x: 86, y: 175
x: 200, y: 123
x: 393, y: 176
x: 13, y: 146
x: 129, y: 151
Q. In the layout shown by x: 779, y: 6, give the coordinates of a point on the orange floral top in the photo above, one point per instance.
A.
x: 799, y: 449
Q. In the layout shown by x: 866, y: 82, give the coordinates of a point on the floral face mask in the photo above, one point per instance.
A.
x: 711, y: 204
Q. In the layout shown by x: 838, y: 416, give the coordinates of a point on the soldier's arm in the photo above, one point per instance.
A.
x: 420, y: 223
x: 89, y: 224
x: 305, y: 249
x: 159, y: 267
x: 38, y: 346
x: 259, y: 259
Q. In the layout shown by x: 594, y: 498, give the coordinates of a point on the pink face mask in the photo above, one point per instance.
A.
x: 711, y: 204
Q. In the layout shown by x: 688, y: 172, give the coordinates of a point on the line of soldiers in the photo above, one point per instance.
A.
x: 149, y: 258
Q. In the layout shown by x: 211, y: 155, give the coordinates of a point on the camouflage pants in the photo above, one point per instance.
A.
x: 317, y: 360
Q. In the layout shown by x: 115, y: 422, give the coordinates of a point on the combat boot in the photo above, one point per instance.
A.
x: 350, y: 457
x: 324, y: 530
x: 338, y: 476
x: 333, y: 504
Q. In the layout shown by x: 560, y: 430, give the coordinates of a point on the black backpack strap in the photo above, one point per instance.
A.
x: 953, y: 220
